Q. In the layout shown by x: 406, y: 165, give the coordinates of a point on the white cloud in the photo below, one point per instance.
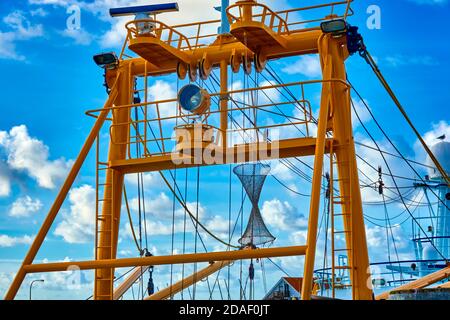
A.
x: 150, y: 178
x: 163, y: 90
x: 437, y: 130
x: 281, y: 215
x: 25, y: 207
x: 21, y: 30
x: 268, y: 96
x: 430, y: 137
x: 52, y: 2
x: 430, y: 2
x: 8, y: 241
x: 80, y: 36
x: 31, y: 155
x: 39, y: 12
x: 307, y: 65
x: 78, y: 225
x: 361, y: 110
x: 22, y: 26
x: 159, y: 213
x: 5, y: 183
x: 399, y: 60
x: 8, y: 47
x: 379, y: 243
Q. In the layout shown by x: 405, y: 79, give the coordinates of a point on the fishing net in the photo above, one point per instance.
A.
x: 252, y: 177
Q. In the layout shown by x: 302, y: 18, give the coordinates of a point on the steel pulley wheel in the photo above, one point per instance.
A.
x: 247, y: 64
x: 203, y: 69
x: 235, y: 63
x: 260, y: 62
x: 182, y: 70
x: 192, y: 72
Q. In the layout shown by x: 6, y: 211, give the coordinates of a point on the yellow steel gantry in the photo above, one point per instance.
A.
x: 257, y: 35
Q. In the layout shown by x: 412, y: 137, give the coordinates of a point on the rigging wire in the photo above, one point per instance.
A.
x: 369, y: 59
x: 392, y: 144
x: 393, y: 179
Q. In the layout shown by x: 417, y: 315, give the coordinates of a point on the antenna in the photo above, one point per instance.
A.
x: 225, y: 26
x: 143, y: 13
x: 144, y: 10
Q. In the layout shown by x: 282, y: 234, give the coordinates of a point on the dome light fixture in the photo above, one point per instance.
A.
x: 194, y: 99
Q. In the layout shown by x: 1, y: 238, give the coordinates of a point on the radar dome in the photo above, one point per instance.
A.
x: 429, y: 252
x: 441, y: 151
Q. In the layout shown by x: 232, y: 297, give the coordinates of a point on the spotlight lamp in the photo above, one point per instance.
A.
x: 194, y: 99
x: 106, y: 60
x: 336, y: 27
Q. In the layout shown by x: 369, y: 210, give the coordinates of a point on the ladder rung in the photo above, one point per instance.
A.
x: 342, y: 231
x: 103, y: 216
x: 339, y: 202
x: 105, y: 199
x: 337, y: 162
x: 104, y: 184
x: 103, y: 230
x: 343, y: 267
x: 341, y: 250
x: 341, y: 214
x: 104, y: 247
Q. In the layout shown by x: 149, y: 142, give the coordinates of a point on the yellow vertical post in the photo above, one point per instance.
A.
x: 224, y: 102
x: 350, y: 192
x: 109, y: 220
x: 247, y: 14
x: 333, y: 53
x: 327, y: 67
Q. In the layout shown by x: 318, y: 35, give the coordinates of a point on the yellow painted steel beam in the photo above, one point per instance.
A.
x: 189, y: 281
x: 419, y: 283
x: 128, y: 282
x: 287, y: 148
x: 172, y: 259
x: 108, y: 226
x: 327, y: 66
x: 445, y: 285
x: 296, y: 44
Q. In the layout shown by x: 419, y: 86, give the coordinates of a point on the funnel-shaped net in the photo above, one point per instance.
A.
x: 252, y: 177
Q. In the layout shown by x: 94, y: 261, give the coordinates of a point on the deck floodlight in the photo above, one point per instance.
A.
x: 335, y: 27
x: 194, y: 99
x: 106, y: 60
x: 149, y: 9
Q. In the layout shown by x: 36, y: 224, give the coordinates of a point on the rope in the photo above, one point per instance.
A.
x: 131, y: 220
x: 367, y: 56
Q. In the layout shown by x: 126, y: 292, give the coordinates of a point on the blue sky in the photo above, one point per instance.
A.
x: 49, y: 81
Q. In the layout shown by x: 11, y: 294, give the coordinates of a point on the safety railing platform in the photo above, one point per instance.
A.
x: 262, y: 118
x: 157, y: 42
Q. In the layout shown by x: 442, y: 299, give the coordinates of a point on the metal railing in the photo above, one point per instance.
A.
x: 159, y: 30
x: 201, y: 34
x: 294, y: 20
x: 151, y: 125
x: 260, y: 13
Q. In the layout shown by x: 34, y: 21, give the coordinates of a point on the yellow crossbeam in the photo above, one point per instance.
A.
x: 171, y: 259
x: 287, y: 148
